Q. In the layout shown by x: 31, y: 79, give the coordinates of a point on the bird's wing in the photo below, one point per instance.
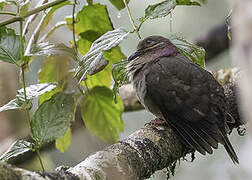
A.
x: 190, y: 100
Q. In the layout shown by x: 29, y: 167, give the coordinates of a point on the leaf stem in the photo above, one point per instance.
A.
x: 31, y: 12
x: 136, y: 29
x: 21, y: 42
x: 23, y: 64
x: 73, y: 24
x: 40, y: 160
x: 8, y: 13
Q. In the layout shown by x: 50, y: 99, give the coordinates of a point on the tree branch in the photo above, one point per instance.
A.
x: 214, y: 42
x: 138, y: 156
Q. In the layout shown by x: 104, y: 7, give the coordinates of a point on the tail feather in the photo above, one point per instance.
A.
x: 202, y: 136
x: 187, y: 138
x: 192, y: 136
x: 230, y: 150
x: 201, y: 139
x: 209, y: 135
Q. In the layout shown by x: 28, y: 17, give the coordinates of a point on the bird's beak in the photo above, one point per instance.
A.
x: 134, y: 55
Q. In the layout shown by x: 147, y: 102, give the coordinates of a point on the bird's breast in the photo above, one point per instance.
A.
x: 139, y: 83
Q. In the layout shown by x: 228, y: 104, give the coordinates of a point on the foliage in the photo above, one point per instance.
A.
x: 17, y: 148
x: 97, y: 58
x: 101, y: 114
x: 191, y: 51
x: 63, y: 142
x: 9, y: 46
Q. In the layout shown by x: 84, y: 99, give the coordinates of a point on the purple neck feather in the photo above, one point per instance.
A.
x: 167, y: 51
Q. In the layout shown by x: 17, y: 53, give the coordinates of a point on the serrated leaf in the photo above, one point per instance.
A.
x: 164, y: 8
x: 158, y: 10
x: 103, y: 78
x: 193, y: 52
x: 92, y: 22
x: 50, y: 49
x: 119, y: 4
x: 119, y: 76
x: 32, y: 91
x: 94, y: 58
x: 55, y: 69
x: 63, y: 142
x: 9, y: 46
x: 50, y: 13
x: 13, y: 104
x: 52, y: 118
x: 101, y: 115
x: 17, y: 148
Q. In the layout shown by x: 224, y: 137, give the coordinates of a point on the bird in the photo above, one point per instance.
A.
x: 181, y: 93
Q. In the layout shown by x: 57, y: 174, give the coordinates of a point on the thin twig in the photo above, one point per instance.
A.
x: 40, y: 160
x: 73, y: 24
x: 136, y: 29
x: 23, y: 64
x: 8, y: 13
x: 29, y: 13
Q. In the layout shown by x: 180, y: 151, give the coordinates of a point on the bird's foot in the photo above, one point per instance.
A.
x: 242, y: 130
x: 158, y: 122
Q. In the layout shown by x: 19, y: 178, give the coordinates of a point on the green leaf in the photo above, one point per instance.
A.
x: 63, y: 142
x: 9, y: 46
x: 159, y: 10
x: 187, y: 2
x: 119, y: 76
x: 55, y: 69
x: 52, y: 118
x: 50, y: 49
x: 2, y: 4
x: 93, y: 17
x: 15, y: 2
x: 103, y: 78
x: 101, y: 115
x: 119, y: 4
x: 164, y: 8
x: 32, y: 91
x: 17, y: 148
x: 92, y: 22
x: 94, y: 61
x: 24, y: 7
x: 193, y: 52
x: 50, y: 13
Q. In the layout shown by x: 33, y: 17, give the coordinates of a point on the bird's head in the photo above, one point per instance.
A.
x: 156, y: 46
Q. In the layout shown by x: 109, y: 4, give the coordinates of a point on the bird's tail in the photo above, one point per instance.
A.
x: 230, y: 149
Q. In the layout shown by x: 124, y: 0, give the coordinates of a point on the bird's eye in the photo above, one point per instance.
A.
x: 150, y: 43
